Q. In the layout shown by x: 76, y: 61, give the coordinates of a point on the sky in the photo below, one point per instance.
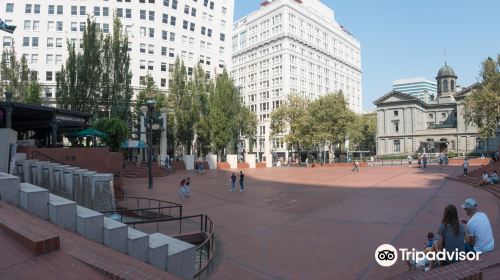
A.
x: 407, y: 38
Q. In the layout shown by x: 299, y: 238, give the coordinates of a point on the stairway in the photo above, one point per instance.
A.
x: 475, y: 176
x: 132, y: 170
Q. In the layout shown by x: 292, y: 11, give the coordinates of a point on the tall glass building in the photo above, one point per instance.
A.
x: 420, y: 88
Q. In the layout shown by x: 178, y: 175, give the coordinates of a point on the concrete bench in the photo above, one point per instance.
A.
x: 181, y: 258
x: 158, y: 250
x: 102, y: 192
x: 36, y: 172
x: 47, y: 176
x: 62, y: 212
x: 9, y: 188
x: 89, y: 224
x: 86, y: 189
x: 34, y: 200
x: 77, y: 185
x: 115, y: 235
x: 67, y: 188
x: 137, y: 244
x: 37, y: 240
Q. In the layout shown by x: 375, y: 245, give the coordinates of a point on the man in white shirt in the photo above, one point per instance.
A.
x: 478, y: 234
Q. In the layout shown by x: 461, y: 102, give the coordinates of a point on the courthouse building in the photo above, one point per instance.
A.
x: 407, y: 124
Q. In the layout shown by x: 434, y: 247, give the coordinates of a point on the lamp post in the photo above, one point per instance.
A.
x: 152, y: 123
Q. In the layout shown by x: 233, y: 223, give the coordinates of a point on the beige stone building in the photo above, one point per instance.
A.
x: 406, y: 124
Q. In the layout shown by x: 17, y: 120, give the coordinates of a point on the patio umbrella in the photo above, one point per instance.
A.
x: 91, y: 132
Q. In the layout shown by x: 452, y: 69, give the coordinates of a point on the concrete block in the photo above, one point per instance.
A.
x: 233, y: 161
x: 189, y: 161
x: 36, y: 172
x: 158, y: 250
x: 181, y: 258
x: 47, y: 179
x: 78, y: 185
x: 9, y: 188
x: 115, y: 235
x: 34, y: 200
x: 102, y: 192
x: 212, y: 161
x: 26, y: 178
x: 269, y: 160
x: 62, y: 212
x: 58, y: 179
x: 67, y: 185
x: 137, y: 244
x: 89, y: 224
x: 7, y: 137
x: 251, y: 160
x: 86, y: 190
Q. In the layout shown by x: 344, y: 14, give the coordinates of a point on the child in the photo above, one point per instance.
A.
x: 485, y: 180
x: 355, y: 167
x: 422, y: 264
x: 182, y: 189
x: 188, y: 186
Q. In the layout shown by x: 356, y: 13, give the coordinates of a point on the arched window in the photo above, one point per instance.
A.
x: 452, y: 85
x: 445, y: 85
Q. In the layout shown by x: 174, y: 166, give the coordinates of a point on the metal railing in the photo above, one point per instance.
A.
x: 33, y: 153
x: 204, y: 250
x: 153, y: 215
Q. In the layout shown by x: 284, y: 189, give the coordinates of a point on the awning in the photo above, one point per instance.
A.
x: 128, y: 144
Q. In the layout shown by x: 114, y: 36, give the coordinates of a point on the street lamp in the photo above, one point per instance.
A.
x: 152, y: 123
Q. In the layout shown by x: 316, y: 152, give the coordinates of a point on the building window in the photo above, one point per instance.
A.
x: 172, y: 20
x: 105, y: 11
x: 193, y: 12
x: 479, y: 144
x: 60, y: 9
x: 128, y: 13
x: 34, y: 42
x: 443, y: 115
x: 28, y: 9
x: 172, y: 37
x: 142, y: 48
x: 26, y: 41
x: 50, y: 42
x: 9, y: 8
x: 48, y: 75
x: 165, y: 19
x: 59, y: 42
x: 185, y: 24
x: 48, y: 92
x: 97, y: 11
x: 397, y: 146
x: 74, y: 10
x: 142, y: 14
x: 82, y: 10
x: 151, y: 32
x: 396, y: 113
x: 191, y: 26
x: 105, y: 27
x: 186, y: 9
x: 396, y: 127
x: 36, y: 8
x: 163, y: 82
x: 431, y: 116
x: 452, y: 85
x: 151, y: 15
x: 445, y: 85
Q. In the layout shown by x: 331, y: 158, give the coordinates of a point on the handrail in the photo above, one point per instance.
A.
x: 48, y: 157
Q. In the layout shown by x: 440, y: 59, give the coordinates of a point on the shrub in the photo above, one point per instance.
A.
x: 116, y: 130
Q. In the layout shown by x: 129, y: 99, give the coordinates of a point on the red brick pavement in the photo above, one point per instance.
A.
x: 320, y: 223
x: 78, y: 258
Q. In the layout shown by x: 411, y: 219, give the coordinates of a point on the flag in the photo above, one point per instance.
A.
x: 7, y: 28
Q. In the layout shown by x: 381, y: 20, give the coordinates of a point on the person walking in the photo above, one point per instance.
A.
x: 466, y: 166
x: 355, y: 166
x: 242, y: 178
x: 424, y: 161
x: 410, y: 158
x: 188, y: 186
x: 233, y: 182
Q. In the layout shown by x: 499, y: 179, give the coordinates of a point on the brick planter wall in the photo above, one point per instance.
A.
x: 260, y: 165
x: 472, y: 162
x: 243, y: 165
x: 223, y: 165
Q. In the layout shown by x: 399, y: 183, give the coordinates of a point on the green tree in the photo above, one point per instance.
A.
x: 482, y: 106
x: 293, y: 120
x: 181, y: 101
x: 224, y: 107
x: 116, y: 77
x: 116, y: 130
x: 78, y: 85
x: 19, y: 79
x: 362, y: 132
x: 200, y: 86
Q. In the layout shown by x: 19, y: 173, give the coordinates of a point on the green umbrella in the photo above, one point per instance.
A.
x: 91, y: 132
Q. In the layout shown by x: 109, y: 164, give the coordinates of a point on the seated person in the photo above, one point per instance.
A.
x: 485, y: 179
x: 420, y: 265
x: 479, y: 235
x: 452, y: 234
x: 494, y: 178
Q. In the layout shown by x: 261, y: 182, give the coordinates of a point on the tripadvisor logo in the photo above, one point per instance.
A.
x: 387, y: 255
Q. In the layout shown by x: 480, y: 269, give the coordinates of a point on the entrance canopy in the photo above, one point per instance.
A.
x: 46, y: 122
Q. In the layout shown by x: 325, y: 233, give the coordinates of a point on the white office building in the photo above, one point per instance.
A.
x: 420, y: 88
x: 292, y: 47
x: 158, y: 31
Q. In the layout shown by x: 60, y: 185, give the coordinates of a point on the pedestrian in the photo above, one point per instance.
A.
x: 233, y: 182
x: 355, y: 166
x: 182, y: 189
x: 410, y: 158
x: 466, y: 166
x: 242, y: 178
x: 440, y: 160
x: 424, y: 161
x: 419, y: 162
x: 188, y: 186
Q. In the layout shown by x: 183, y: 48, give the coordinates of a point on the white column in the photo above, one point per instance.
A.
x: 163, y: 141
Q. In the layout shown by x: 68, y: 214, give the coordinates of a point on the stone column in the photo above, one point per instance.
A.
x: 142, y: 137
x: 163, y: 141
